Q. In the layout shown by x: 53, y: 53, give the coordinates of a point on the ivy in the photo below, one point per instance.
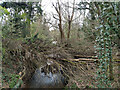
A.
x: 104, y: 43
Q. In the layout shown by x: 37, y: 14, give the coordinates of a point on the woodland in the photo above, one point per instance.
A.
x: 77, y: 46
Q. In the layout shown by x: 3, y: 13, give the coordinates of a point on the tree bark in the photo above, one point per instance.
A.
x: 69, y: 28
x: 58, y: 10
x: 70, y: 19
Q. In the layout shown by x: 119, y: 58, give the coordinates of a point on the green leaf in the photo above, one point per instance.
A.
x: 24, y: 15
x: 3, y: 11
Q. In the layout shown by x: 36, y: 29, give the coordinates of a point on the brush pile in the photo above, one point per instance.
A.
x: 34, y: 54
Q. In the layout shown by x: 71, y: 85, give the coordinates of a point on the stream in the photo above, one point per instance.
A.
x: 41, y: 79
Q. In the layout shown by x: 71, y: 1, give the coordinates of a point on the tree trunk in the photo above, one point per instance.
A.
x: 28, y: 28
x: 69, y: 28
x: 111, y: 70
x: 58, y: 10
x: 70, y: 19
x: 61, y: 33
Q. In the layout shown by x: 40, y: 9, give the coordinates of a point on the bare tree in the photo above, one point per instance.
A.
x: 70, y: 17
x: 65, y: 14
x: 59, y: 12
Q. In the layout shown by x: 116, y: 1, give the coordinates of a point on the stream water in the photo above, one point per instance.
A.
x: 49, y: 80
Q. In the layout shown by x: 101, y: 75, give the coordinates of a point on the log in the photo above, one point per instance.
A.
x: 81, y: 56
x: 84, y: 59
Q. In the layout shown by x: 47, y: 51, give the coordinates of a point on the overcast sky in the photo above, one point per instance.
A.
x: 47, y: 5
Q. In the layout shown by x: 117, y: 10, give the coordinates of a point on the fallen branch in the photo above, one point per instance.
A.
x: 81, y: 56
x: 83, y: 59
